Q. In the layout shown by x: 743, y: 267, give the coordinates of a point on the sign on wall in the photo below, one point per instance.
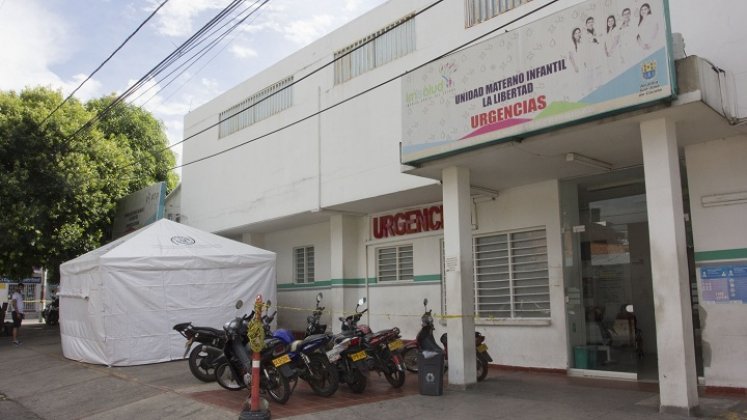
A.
x: 595, y: 58
x: 408, y: 222
x: 139, y: 209
x: 724, y: 283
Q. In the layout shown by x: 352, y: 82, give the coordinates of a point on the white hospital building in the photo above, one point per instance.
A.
x: 577, y: 194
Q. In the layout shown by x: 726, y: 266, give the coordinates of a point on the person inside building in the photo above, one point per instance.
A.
x: 16, y: 302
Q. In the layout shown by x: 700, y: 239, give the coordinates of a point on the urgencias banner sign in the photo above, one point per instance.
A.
x: 596, y: 58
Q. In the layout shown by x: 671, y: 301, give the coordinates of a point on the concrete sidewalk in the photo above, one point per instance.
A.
x: 36, y: 382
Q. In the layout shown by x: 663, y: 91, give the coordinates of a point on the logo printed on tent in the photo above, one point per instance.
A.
x: 182, y: 240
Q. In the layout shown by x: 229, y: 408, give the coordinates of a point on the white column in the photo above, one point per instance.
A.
x: 344, y: 248
x: 459, y: 280
x: 666, y: 222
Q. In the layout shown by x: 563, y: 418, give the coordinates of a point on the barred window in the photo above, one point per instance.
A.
x: 304, y: 264
x: 263, y: 104
x: 395, y: 263
x: 511, y: 275
x: 478, y: 11
x: 375, y: 50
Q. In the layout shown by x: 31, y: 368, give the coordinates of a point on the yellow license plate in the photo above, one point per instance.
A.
x: 396, y: 344
x: 358, y: 356
x: 482, y: 348
x: 280, y: 361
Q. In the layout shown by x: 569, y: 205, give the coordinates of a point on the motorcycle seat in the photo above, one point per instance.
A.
x: 297, y: 344
x: 208, y: 330
x: 182, y: 326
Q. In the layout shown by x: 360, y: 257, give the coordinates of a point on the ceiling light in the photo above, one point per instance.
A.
x: 587, y: 161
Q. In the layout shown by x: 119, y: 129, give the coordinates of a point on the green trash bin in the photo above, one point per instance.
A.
x: 585, y: 357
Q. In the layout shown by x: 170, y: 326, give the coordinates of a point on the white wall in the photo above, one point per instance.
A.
x: 541, y: 346
x: 718, y: 167
x: 282, y: 242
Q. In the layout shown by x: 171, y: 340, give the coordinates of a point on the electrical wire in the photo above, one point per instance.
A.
x: 161, y: 66
x: 361, y: 93
x: 105, y: 61
x: 202, y: 52
x: 322, y: 67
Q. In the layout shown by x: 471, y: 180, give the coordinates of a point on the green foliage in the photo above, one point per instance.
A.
x: 58, y: 192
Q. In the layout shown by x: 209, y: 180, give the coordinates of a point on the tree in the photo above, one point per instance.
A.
x: 58, y: 191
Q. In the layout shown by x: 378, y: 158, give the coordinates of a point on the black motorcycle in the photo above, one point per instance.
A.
x: 51, y: 313
x: 348, y: 353
x: 313, y: 325
x: 203, y: 357
x: 234, y: 366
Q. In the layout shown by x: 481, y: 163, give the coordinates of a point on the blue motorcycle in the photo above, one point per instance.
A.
x: 307, y: 358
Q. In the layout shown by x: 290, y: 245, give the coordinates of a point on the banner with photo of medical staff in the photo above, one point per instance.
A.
x: 592, y: 59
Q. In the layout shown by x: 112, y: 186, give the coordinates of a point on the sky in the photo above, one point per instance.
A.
x: 58, y: 43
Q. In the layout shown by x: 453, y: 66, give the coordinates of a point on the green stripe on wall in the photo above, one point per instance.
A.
x: 428, y: 277
x: 723, y: 254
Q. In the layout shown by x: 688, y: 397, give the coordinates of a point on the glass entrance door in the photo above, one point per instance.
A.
x: 609, y: 297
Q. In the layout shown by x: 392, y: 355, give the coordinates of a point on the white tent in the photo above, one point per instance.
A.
x: 118, y: 303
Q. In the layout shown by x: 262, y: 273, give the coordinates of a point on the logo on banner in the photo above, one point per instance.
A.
x: 648, y: 69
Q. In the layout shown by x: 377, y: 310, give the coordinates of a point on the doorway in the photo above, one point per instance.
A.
x: 609, y: 292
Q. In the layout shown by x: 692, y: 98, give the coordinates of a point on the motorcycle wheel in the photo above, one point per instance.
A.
x: 393, y: 375
x: 410, y: 358
x: 322, y: 376
x: 201, y: 362
x: 358, y: 381
x: 276, y: 385
x: 224, y: 376
x: 482, y: 369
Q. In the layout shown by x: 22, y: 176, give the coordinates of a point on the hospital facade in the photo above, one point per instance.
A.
x: 578, y: 196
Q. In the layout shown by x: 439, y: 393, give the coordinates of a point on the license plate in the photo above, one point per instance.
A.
x: 396, y: 344
x: 280, y: 361
x: 358, y: 356
x: 482, y: 348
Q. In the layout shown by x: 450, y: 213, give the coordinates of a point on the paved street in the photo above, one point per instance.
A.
x: 36, y: 382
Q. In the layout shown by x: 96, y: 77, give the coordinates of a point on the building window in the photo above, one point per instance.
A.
x: 304, y: 267
x: 261, y: 105
x: 375, y: 50
x: 511, y: 276
x: 478, y: 11
x: 395, y: 263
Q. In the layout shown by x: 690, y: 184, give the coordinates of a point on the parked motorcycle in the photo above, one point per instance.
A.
x: 483, y: 358
x: 307, y: 358
x: 383, y: 348
x: 234, y: 366
x: 348, y: 354
x: 425, y: 341
x: 51, y: 313
x: 313, y: 325
x: 203, y: 357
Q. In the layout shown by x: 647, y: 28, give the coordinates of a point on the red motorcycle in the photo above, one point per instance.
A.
x: 410, y: 354
x: 384, y: 348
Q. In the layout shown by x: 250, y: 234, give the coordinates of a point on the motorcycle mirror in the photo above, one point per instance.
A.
x: 361, y: 301
x: 269, y: 303
x: 319, y: 297
x: 425, y: 302
x: 239, y: 304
